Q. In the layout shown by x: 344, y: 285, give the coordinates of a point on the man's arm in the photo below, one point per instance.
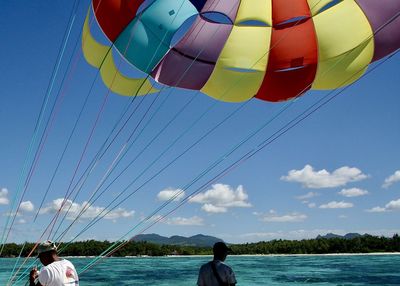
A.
x: 33, y: 275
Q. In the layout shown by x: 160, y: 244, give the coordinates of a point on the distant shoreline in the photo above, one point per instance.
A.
x: 254, y: 255
x: 233, y: 255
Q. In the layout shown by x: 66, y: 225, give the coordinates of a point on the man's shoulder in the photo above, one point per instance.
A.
x: 206, y: 265
x: 57, y: 264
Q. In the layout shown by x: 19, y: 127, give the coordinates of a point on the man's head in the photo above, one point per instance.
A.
x: 47, y: 252
x: 220, y: 251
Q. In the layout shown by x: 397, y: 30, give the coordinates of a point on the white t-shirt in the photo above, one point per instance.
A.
x: 207, y: 277
x: 59, y: 273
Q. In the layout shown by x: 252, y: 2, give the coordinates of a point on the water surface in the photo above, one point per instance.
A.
x: 250, y: 270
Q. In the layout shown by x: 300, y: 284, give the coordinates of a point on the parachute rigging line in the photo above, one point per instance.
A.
x: 38, y: 124
x: 53, y: 220
x: 153, y: 138
x: 130, y: 39
x: 84, y: 209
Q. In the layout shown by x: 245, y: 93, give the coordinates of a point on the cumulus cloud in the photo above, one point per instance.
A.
x: 307, y: 196
x: 26, y: 206
x: 273, y: 216
x: 90, y: 211
x: 391, y: 206
x: 209, y: 208
x: 222, y: 197
x: 376, y: 210
x: 182, y: 221
x: 171, y: 194
x: 391, y: 179
x: 179, y: 221
x: 312, y: 179
x: 353, y: 192
x: 312, y: 205
x: 336, y: 205
x: 4, y: 197
x: 21, y: 221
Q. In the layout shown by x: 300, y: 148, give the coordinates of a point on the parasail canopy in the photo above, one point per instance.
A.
x: 235, y: 50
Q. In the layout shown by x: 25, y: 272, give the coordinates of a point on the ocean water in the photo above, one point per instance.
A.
x: 250, y: 270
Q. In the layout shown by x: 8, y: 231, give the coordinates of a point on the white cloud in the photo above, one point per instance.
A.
x: 291, y: 234
x: 336, y: 205
x: 4, y: 197
x: 353, y: 192
x: 376, y: 210
x: 392, y: 179
x: 323, y: 179
x: 343, y: 216
x: 182, y: 221
x: 307, y: 196
x: 272, y: 216
x: 222, y: 197
x: 312, y: 205
x: 171, y: 194
x: 26, y: 206
x: 179, y: 221
x: 90, y: 212
x: 391, y: 206
x: 304, y: 234
x: 21, y: 221
x: 209, y: 208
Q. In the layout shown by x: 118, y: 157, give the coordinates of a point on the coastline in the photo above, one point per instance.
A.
x: 253, y: 255
x: 233, y: 255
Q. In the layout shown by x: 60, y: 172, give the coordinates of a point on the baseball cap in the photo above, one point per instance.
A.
x: 46, y: 246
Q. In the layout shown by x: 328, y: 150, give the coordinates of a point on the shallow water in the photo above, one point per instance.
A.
x: 250, y: 270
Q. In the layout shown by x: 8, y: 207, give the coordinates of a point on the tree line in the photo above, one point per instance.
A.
x: 362, y: 244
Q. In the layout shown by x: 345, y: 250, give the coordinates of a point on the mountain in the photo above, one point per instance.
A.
x: 199, y: 240
x: 346, y: 236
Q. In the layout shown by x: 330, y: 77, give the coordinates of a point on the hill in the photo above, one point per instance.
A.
x: 198, y: 240
x: 346, y: 236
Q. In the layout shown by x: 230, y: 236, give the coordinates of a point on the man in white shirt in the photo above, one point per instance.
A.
x: 56, y: 271
x: 216, y: 272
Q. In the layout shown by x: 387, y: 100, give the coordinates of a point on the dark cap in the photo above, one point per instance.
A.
x: 221, y: 247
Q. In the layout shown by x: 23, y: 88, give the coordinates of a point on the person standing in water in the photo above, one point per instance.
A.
x: 216, y: 272
x: 56, y: 271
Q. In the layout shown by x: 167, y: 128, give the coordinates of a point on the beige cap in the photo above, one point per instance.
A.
x: 46, y: 246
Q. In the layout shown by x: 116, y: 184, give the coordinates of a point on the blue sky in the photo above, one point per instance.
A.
x: 338, y: 171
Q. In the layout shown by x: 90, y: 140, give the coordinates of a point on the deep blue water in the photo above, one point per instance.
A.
x: 261, y: 270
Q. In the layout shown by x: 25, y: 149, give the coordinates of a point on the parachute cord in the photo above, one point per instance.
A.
x: 96, y: 218
x: 282, y: 131
x: 124, y: 146
x: 53, y: 114
x: 37, y: 128
x: 101, y: 215
x: 140, y: 153
x: 78, y: 164
x: 130, y: 39
x: 104, y: 176
x: 56, y: 69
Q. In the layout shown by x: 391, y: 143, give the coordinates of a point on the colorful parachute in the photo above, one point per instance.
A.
x: 235, y: 50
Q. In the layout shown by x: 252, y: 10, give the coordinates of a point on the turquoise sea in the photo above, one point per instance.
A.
x: 250, y: 270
